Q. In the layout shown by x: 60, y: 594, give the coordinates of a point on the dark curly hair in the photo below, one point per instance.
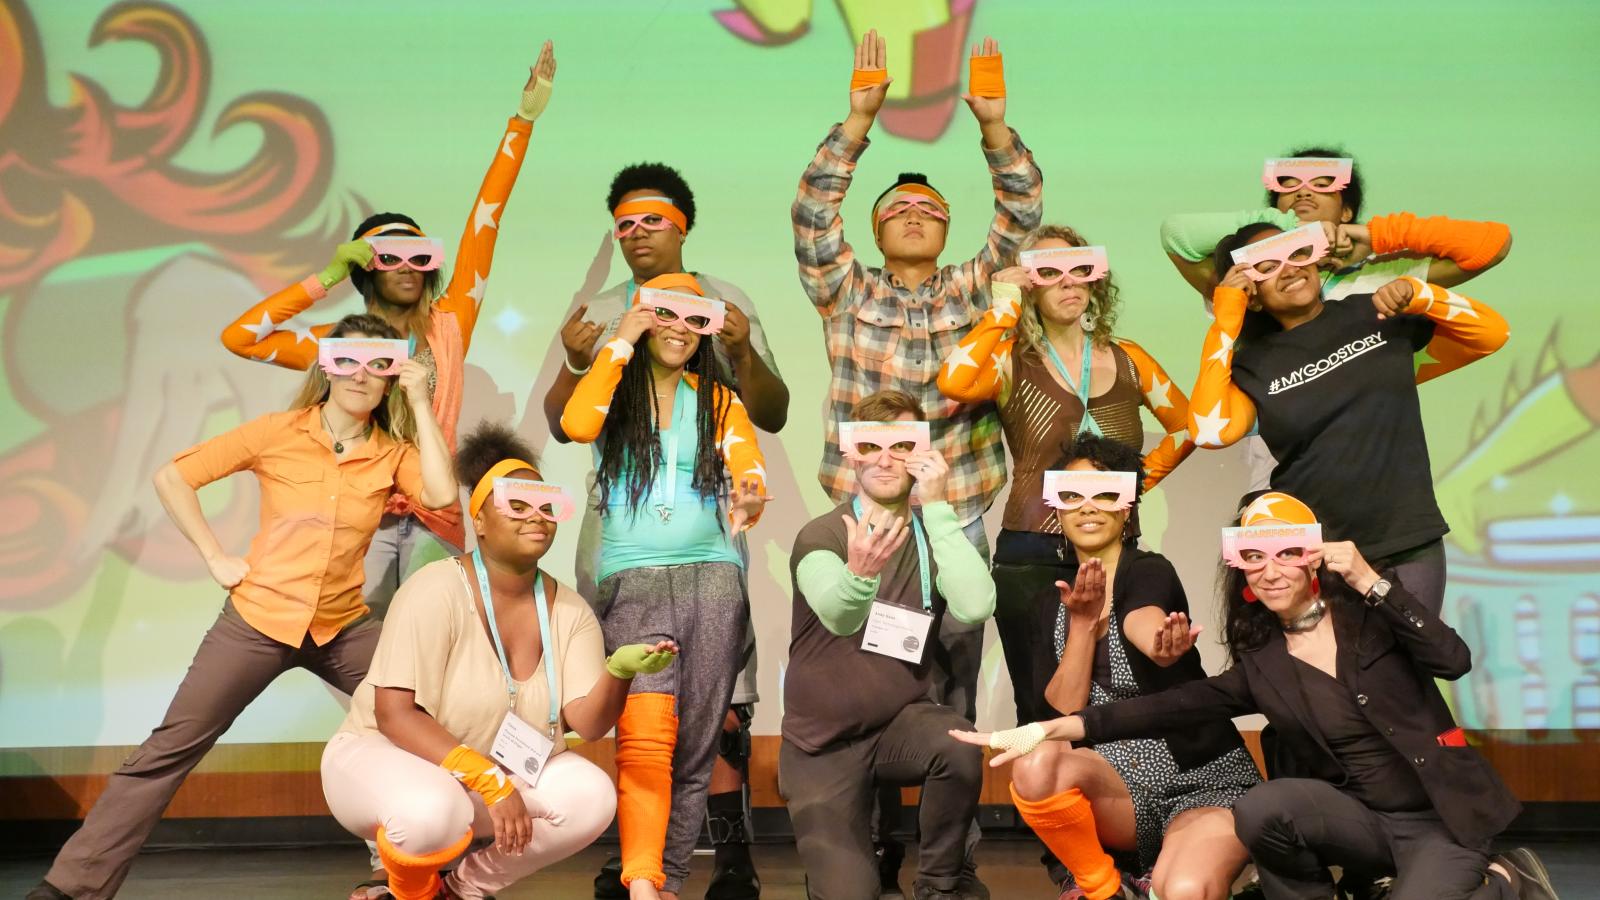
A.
x: 1109, y: 455
x: 361, y: 279
x: 1350, y: 196
x: 489, y: 443
x: 906, y: 178
x: 630, y: 445
x: 1256, y: 322
x: 1247, y: 626
x: 653, y: 176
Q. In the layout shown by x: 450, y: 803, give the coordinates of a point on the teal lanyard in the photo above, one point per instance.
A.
x: 666, y: 487
x: 1088, y: 424
x: 411, y: 346
x: 922, y: 553
x: 544, y: 640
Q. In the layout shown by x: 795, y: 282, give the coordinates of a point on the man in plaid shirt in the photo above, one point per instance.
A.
x: 893, y: 327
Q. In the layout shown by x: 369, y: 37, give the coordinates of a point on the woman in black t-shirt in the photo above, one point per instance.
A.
x: 1341, y: 659
x: 1122, y: 630
x: 1332, y: 389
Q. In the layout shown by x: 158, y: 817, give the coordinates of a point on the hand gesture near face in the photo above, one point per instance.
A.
x: 872, y: 542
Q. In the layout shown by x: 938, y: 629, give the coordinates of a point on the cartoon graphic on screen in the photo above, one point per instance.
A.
x: 925, y: 40
x: 100, y: 211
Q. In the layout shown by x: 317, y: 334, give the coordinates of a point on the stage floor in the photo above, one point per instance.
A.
x: 1010, y: 868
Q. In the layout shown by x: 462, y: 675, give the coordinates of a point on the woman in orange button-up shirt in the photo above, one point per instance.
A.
x: 327, y: 468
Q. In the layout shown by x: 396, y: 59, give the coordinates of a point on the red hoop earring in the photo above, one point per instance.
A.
x: 1249, y: 595
x: 1316, y: 585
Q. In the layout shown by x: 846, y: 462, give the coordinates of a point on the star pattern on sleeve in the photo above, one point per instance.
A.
x: 1222, y: 351
x: 477, y: 288
x: 1209, y: 427
x: 483, y: 216
x: 620, y: 349
x: 506, y: 145
x: 266, y: 327
x: 961, y: 356
x: 1157, y: 395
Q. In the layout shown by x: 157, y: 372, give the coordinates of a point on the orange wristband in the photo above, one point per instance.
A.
x: 986, y: 77
x: 861, y: 79
x: 477, y: 772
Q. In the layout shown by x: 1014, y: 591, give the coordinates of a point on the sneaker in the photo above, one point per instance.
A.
x: 1128, y: 890
x: 608, y: 884
x: 1533, y: 880
x: 891, y: 854
x: 735, y: 881
x: 46, y: 891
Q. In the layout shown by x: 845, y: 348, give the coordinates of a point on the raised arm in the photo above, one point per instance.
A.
x: 1435, y: 647
x: 586, y: 410
x: 1219, y: 412
x: 255, y: 334
x: 765, y: 395
x: 463, y: 296
x: 436, y: 480
x: 1085, y: 603
x: 1459, y: 250
x: 980, y: 367
x: 1464, y: 330
x: 1167, y: 403
x: 1018, y: 183
x: 1190, y: 238
x: 840, y: 590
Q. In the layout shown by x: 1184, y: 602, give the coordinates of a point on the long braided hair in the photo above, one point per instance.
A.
x: 630, y: 446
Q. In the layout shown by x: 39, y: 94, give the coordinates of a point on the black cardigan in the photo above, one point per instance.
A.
x: 1391, y: 654
x: 1191, y: 748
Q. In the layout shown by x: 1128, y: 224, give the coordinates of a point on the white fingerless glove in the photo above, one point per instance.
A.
x: 1023, y: 740
x: 535, y: 100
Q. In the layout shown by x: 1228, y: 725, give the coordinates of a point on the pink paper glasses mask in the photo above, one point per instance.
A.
x: 345, y: 356
x: 1301, y: 247
x: 1325, y: 175
x: 1074, y: 265
x: 420, y: 253
x: 627, y: 225
x: 1250, y: 548
x: 701, y: 315
x: 523, y: 498
x: 924, y: 205
x: 866, y: 441
x: 1070, y: 489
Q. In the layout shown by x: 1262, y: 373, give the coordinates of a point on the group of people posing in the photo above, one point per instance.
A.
x: 453, y: 760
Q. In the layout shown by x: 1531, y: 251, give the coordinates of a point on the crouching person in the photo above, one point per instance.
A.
x: 872, y: 580
x: 485, y: 662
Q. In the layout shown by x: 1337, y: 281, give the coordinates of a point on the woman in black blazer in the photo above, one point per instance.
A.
x: 1342, y: 661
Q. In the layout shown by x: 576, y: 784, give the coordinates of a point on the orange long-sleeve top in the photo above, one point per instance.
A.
x: 271, y: 331
x: 585, y: 414
x: 982, y: 368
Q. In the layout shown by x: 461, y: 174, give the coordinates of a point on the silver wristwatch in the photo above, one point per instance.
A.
x: 1379, y: 592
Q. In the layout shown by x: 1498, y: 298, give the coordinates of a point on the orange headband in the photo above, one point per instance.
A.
x: 1276, y: 507
x: 486, y: 483
x: 922, y: 189
x: 675, y: 281
x: 391, y: 226
x: 657, y: 205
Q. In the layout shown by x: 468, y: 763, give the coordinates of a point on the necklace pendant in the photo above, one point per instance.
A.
x: 338, y: 446
x: 665, y: 512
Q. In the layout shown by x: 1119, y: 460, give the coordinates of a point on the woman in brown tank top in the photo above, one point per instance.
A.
x: 1048, y: 330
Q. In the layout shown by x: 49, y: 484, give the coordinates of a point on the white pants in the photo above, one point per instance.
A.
x: 370, y: 782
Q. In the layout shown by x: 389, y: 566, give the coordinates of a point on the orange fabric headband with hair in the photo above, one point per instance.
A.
x: 391, y: 226
x: 657, y: 205
x: 486, y: 483
x: 675, y: 281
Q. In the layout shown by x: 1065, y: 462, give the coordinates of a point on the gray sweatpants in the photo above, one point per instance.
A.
x: 703, y: 607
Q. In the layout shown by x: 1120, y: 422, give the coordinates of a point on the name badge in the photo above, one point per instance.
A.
x: 896, y: 632
x: 521, y: 748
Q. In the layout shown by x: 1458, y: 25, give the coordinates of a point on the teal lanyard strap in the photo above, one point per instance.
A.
x: 544, y: 639
x: 922, y: 553
x: 1088, y: 423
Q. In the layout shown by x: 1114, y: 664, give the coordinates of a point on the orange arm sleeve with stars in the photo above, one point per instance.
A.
x: 976, y: 370
x: 1219, y: 412
x: 1167, y: 403
x: 1464, y: 330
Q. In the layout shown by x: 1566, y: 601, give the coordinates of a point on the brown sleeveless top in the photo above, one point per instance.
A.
x: 1041, y: 421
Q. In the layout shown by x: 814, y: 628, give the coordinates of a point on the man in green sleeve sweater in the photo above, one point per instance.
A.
x: 872, y: 579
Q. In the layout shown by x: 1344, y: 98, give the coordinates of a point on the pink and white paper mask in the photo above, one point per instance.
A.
x: 536, y: 498
x: 1074, y: 265
x: 864, y: 441
x: 379, y: 356
x: 1323, y: 174
x: 1070, y: 489
x: 1249, y: 548
x: 390, y: 252
x: 1303, y: 246
x: 701, y: 315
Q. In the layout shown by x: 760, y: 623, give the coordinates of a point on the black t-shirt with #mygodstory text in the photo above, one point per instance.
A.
x: 1336, y: 402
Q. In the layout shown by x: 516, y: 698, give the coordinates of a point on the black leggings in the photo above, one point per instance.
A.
x: 1027, y: 566
x: 1295, y: 828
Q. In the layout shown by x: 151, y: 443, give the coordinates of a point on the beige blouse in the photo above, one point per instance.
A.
x: 434, y: 644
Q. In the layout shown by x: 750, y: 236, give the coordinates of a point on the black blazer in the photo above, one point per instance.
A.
x: 1389, y: 656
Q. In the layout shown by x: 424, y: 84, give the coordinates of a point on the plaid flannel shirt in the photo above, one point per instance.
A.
x: 881, y: 334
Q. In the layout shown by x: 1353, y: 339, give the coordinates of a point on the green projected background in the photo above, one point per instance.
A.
x: 164, y: 167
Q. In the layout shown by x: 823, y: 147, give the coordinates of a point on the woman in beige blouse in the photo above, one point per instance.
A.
x: 456, y: 680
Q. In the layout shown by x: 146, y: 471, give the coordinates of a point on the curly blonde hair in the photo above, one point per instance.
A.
x: 1104, y: 300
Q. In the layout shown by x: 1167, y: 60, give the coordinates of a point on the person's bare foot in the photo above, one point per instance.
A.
x: 642, y: 889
